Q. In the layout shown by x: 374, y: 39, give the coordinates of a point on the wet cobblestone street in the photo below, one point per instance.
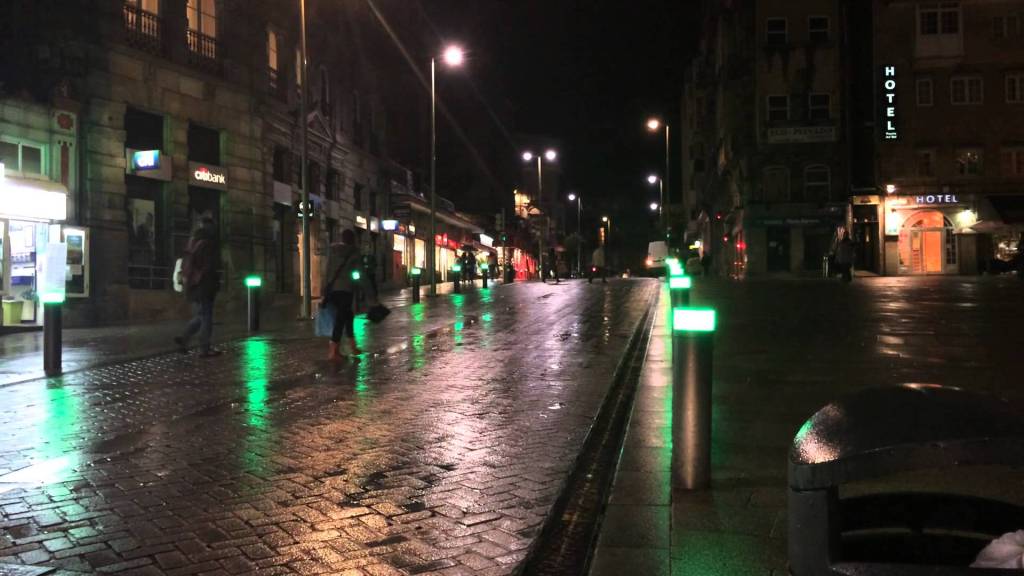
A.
x: 440, y: 452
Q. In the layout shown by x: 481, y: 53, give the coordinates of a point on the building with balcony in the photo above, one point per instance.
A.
x: 149, y: 114
x: 949, y: 117
x: 765, y: 160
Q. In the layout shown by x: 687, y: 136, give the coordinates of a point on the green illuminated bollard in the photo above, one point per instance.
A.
x: 693, y: 331
x: 53, y: 332
x: 483, y: 268
x: 252, y: 288
x: 679, y: 289
x: 416, y: 274
x: 457, y: 271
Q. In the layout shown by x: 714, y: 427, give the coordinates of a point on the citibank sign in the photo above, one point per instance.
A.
x: 207, y: 176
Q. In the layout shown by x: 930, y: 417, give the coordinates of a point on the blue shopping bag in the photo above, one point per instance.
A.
x: 323, y: 324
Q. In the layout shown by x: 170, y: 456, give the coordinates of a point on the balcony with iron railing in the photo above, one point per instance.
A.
x: 143, y: 29
x: 203, y: 51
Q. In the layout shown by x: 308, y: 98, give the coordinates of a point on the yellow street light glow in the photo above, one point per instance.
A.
x: 693, y: 320
x: 653, y: 124
x: 454, y: 56
x: 680, y: 283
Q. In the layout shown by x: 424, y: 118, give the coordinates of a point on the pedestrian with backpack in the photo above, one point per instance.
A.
x: 200, y: 279
x: 345, y: 264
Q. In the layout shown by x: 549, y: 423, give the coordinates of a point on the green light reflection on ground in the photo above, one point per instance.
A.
x: 55, y: 459
x: 459, y: 301
x: 419, y: 344
x: 255, y: 359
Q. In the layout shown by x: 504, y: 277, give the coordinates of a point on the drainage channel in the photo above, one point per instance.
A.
x: 565, y: 546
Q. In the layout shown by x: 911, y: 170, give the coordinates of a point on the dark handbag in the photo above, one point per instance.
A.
x: 377, y: 312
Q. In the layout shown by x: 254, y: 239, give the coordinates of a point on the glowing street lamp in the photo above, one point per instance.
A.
x: 652, y: 180
x: 550, y: 155
x: 654, y: 206
x: 654, y: 125
x: 453, y: 56
x: 579, y: 231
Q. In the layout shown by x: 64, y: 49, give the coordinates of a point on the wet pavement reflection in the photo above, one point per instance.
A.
x: 437, y: 449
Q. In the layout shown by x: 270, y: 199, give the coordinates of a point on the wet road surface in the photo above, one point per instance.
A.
x: 440, y: 452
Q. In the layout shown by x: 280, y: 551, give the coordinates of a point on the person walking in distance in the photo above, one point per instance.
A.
x: 340, y: 291
x: 844, y: 258
x: 200, y: 277
x: 553, y: 263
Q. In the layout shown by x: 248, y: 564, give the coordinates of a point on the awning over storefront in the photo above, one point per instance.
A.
x: 32, y: 199
x: 1010, y: 207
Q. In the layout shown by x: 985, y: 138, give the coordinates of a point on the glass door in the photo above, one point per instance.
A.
x: 23, y: 242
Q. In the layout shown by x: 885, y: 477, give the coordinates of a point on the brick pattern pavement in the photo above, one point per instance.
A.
x: 441, y: 453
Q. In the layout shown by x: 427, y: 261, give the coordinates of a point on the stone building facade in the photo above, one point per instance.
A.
x: 186, y: 108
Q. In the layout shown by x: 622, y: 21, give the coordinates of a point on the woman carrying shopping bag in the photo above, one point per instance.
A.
x: 339, y: 294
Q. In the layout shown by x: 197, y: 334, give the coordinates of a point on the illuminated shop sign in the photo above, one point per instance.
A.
x: 361, y: 222
x: 936, y: 199
x: 143, y: 160
x: 889, y: 93
x: 487, y: 240
x: 207, y: 176
x: 389, y: 225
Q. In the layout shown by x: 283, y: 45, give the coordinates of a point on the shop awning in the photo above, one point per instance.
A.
x: 32, y: 199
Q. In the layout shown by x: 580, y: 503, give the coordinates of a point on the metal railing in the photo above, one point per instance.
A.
x: 203, y: 50
x: 143, y: 29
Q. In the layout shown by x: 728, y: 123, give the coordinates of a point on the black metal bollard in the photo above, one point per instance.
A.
x: 53, y: 338
x: 416, y: 274
x: 485, y: 272
x: 457, y: 272
x: 679, y: 290
x: 253, y: 284
x: 692, y: 357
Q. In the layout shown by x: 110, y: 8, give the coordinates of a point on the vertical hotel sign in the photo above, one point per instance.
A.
x: 889, y: 93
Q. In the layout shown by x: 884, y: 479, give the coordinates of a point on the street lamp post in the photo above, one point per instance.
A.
x: 307, y: 274
x: 579, y: 231
x: 654, y: 125
x: 652, y: 179
x: 453, y: 57
x: 549, y: 155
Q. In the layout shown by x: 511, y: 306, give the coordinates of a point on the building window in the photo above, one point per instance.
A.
x: 697, y: 155
x: 280, y: 164
x: 1012, y: 160
x: 819, y: 107
x: 142, y: 21
x: 357, y: 196
x: 926, y: 163
x: 202, y: 17
x: 925, y: 92
x: 939, y: 18
x: 143, y: 131
x: 325, y: 92
x: 203, y: 144
x: 966, y: 90
x: 333, y: 185
x: 1006, y: 27
x: 26, y: 158
x: 775, y: 31
x: 273, y: 64
x: 778, y: 108
x: 1015, y: 88
x: 818, y: 29
x: 817, y: 183
x: 775, y: 183
x: 969, y: 162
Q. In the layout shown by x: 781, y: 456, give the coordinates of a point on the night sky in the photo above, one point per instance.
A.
x: 586, y: 72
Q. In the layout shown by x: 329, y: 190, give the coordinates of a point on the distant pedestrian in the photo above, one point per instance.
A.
x: 200, y: 277
x: 553, y: 263
x: 370, y: 270
x: 844, y: 258
x: 340, y: 293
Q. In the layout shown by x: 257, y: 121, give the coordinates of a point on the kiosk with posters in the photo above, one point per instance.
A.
x: 32, y: 212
